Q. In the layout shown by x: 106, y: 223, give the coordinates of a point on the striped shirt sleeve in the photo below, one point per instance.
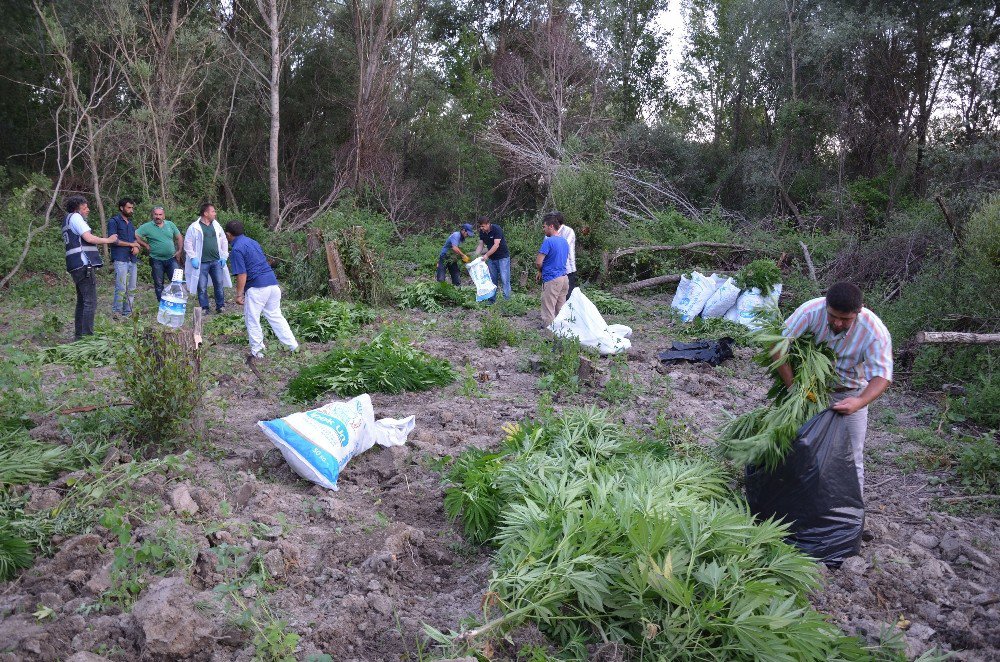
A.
x: 878, y: 354
x: 799, y: 321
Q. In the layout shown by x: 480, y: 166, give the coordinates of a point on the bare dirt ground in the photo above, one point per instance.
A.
x: 356, y: 573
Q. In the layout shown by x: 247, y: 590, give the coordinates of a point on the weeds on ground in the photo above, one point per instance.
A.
x: 518, y: 305
x: 620, y: 387
x: 760, y: 274
x: 163, y: 383
x: 496, y: 331
x: 164, y: 552
x: 24, y: 460
x: 387, y: 364
x: 101, y: 349
x: 600, y: 537
x: 470, y: 385
x: 978, y: 466
x: 311, y: 320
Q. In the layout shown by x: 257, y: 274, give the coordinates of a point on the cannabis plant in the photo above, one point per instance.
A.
x: 387, y: 364
x: 601, y: 538
x: 764, y: 436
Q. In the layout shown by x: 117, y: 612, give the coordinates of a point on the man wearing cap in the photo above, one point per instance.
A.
x: 257, y: 291
x: 451, y: 254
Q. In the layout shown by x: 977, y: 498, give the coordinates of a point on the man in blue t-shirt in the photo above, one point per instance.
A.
x: 451, y: 254
x: 124, y: 256
x: 493, y: 247
x: 551, y: 263
x: 257, y: 291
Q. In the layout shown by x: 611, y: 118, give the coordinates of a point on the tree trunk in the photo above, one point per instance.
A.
x: 956, y: 337
x: 272, y: 164
x: 95, y: 181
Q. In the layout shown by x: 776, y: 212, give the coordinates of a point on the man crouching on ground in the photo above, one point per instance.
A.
x: 257, y: 291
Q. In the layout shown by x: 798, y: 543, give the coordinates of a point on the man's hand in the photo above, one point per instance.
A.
x: 465, y: 259
x: 848, y: 406
x: 135, y: 250
x: 239, y: 299
x: 538, y: 276
x: 222, y: 262
x: 195, y: 263
x: 112, y: 239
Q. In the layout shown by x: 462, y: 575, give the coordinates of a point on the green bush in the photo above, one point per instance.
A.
x: 609, y: 304
x: 936, y: 365
x: 979, y: 465
x: 496, y: 331
x: 982, y: 239
x: 433, y: 296
x: 582, y: 193
x: 981, y: 404
x: 760, y: 274
x: 387, y: 364
x: 601, y: 538
x: 162, y: 381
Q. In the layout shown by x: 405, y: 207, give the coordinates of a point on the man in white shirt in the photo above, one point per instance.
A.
x: 82, y: 258
x: 567, y: 233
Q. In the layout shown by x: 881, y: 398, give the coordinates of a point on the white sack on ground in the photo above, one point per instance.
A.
x: 750, y: 303
x: 479, y: 272
x: 722, y: 299
x: 691, y: 295
x: 318, y: 443
x: 579, y: 318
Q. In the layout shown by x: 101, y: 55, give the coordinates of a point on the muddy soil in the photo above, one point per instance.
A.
x: 358, y: 572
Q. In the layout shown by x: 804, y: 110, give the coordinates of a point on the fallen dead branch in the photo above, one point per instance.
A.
x: 809, y: 262
x: 956, y: 337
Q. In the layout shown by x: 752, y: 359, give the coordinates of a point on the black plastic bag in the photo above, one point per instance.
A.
x: 816, y: 490
x: 712, y: 352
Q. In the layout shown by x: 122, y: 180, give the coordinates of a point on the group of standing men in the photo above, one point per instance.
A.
x: 204, y: 253
x: 555, y: 260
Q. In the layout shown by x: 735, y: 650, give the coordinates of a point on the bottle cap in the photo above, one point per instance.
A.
x: 178, y: 276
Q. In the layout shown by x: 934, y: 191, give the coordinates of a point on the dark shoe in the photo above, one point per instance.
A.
x: 206, y: 311
x: 221, y: 311
x: 867, y: 535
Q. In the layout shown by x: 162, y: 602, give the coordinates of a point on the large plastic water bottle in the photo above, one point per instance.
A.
x: 173, y: 305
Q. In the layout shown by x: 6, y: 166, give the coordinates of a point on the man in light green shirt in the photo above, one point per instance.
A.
x: 163, y: 241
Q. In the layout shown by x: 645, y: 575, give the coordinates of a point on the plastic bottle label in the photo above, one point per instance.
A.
x: 172, y: 307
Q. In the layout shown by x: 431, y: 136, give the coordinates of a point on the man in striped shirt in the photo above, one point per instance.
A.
x: 864, y: 356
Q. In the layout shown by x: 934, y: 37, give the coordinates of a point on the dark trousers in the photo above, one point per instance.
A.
x: 452, y: 268
x: 572, y: 282
x: 213, y: 271
x: 163, y: 270
x: 86, y: 301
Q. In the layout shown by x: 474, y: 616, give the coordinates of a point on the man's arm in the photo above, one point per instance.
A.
x: 142, y: 242
x: 91, y: 238
x: 179, y: 244
x: 876, y: 387
x: 479, y: 247
x: 458, y: 250
x: 539, y: 259
x: 241, y: 283
x: 496, y: 245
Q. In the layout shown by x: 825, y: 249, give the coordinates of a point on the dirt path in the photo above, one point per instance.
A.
x: 356, y: 573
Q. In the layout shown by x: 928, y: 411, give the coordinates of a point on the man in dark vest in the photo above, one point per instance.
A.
x: 82, y: 259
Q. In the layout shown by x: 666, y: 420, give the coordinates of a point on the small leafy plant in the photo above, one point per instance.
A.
x: 496, y: 331
x: 608, y: 304
x: 433, y: 296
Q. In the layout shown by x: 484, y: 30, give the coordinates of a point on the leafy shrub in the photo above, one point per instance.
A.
x: 581, y: 194
x: 496, y: 331
x: 25, y: 460
x: 561, y: 365
x: 762, y: 274
x: 100, y: 349
x: 981, y: 404
x: 162, y: 380
x: 979, y: 465
x: 599, y: 538
x: 936, y: 365
x: 387, y: 364
x: 15, y: 554
x: 982, y: 238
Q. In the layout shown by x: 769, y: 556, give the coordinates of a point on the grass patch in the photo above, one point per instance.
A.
x: 387, y: 364
x: 608, y: 304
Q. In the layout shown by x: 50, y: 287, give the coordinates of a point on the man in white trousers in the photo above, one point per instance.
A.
x: 257, y: 291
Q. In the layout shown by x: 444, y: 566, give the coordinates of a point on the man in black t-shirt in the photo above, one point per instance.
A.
x: 493, y: 248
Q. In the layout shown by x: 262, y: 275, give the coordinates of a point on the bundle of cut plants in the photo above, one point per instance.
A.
x: 764, y: 436
x: 387, y: 364
x: 603, y: 539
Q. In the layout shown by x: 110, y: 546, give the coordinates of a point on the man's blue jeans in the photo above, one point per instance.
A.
x: 211, y: 270
x: 163, y: 270
x: 500, y: 274
x: 125, y: 273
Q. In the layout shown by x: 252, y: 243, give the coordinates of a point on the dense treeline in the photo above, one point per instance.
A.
x: 877, y: 124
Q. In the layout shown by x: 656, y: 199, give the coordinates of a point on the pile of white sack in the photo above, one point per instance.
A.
x: 719, y: 296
